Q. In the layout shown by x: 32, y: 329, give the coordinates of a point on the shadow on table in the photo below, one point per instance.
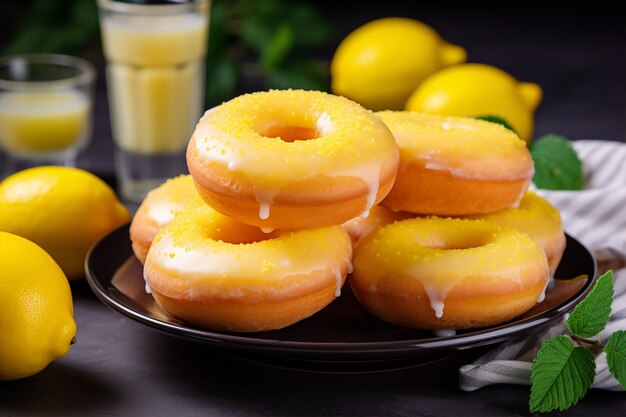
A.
x: 54, y: 392
x: 217, y: 378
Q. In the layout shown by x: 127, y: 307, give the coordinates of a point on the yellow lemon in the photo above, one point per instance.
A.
x: 472, y: 90
x: 36, y: 323
x: 382, y: 62
x: 63, y: 210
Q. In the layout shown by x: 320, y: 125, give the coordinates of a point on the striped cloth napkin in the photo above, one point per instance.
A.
x: 596, y: 216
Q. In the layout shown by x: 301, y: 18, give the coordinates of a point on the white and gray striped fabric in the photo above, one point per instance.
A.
x: 596, y: 216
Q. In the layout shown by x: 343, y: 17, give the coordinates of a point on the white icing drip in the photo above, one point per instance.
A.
x: 436, y: 297
x: 370, y: 174
x: 542, y: 296
x: 163, y: 212
x: 264, y: 211
x: 265, y: 199
x: 267, y: 230
x: 350, y: 267
x: 444, y: 332
x: 147, y: 286
x: 338, y: 278
x: 373, y: 183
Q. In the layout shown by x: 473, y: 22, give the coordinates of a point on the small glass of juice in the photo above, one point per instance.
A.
x: 46, y: 103
x: 155, y: 53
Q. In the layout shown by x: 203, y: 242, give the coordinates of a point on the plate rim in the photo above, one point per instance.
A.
x: 463, y: 341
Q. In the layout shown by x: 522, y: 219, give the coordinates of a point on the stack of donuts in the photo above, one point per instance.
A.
x: 289, y: 189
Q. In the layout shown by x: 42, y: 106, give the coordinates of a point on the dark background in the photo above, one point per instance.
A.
x: 575, y: 52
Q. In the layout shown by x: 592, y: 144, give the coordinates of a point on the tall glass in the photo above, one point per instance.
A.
x: 155, y: 76
x: 45, y: 109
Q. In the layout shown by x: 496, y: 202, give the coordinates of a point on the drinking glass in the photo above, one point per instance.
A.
x: 46, y: 103
x: 155, y: 77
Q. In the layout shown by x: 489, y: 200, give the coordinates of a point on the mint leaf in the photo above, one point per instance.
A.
x: 561, y: 375
x: 616, y: 356
x: 496, y: 119
x: 557, y: 166
x: 591, y: 314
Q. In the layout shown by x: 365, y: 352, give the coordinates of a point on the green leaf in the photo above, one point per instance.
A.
x: 276, y: 50
x: 561, y: 375
x: 591, y: 314
x: 259, y: 19
x: 557, y: 166
x: 496, y: 119
x: 616, y: 356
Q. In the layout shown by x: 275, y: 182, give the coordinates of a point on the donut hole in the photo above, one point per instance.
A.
x: 457, y: 240
x: 294, y: 127
x: 288, y: 133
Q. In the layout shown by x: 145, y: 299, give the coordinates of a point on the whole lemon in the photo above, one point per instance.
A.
x: 472, y: 90
x: 36, y: 323
x: 381, y: 63
x: 63, y: 210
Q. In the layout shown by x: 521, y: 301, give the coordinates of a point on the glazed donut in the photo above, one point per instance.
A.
x: 218, y: 273
x: 159, y: 207
x: 434, y: 273
x: 292, y: 159
x: 379, y: 216
x: 455, y: 166
x: 536, y: 217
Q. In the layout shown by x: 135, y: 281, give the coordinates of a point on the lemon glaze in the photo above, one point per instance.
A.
x: 464, y: 147
x: 334, y: 137
x: 441, y: 253
x: 175, y: 195
x: 194, y: 249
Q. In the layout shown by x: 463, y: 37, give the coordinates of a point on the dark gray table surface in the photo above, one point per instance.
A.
x: 121, y: 368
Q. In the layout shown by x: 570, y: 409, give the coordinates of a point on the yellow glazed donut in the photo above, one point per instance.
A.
x: 292, y: 159
x: 218, y: 273
x: 454, y: 166
x: 540, y: 220
x: 159, y: 207
x: 360, y: 227
x: 433, y: 273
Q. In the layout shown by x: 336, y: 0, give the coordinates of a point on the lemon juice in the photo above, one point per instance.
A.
x: 155, y: 78
x: 42, y: 122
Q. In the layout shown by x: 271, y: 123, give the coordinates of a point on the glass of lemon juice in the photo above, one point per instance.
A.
x: 155, y: 54
x: 45, y: 109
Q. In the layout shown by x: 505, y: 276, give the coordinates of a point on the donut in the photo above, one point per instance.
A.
x: 217, y: 273
x: 443, y: 273
x: 540, y: 220
x: 455, y: 166
x: 292, y: 159
x: 159, y: 207
x: 360, y: 227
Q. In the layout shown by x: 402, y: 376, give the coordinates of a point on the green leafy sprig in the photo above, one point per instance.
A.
x: 562, y: 372
x: 557, y: 166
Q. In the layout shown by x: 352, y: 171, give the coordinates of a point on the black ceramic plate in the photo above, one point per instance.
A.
x: 342, y: 333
